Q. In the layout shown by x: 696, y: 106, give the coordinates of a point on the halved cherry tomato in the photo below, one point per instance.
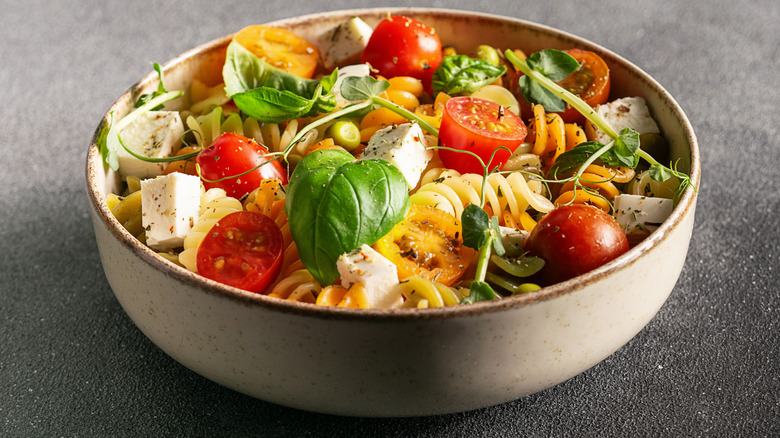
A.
x: 428, y: 243
x: 281, y: 48
x: 243, y: 249
x: 479, y: 126
x: 574, y: 239
x: 401, y: 46
x: 232, y: 154
x: 591, y: 82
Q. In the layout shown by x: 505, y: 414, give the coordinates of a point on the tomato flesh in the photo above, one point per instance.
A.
x: 574, y: 239
x: 232, y: 154
x: 427, y: 243
x: 401, y: 46
x: 281, y: 48
x: 479, y: 126
x: 243, y: 249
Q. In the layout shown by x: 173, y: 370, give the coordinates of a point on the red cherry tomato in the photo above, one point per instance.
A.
x: 232, y: 154
x: 243, y: 249
x: 574, y: 239
x: 401, y: 46
x: 590, y: 82
x: 479, y: 126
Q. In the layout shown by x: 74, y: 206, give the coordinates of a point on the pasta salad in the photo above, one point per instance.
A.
x: 380, y: 168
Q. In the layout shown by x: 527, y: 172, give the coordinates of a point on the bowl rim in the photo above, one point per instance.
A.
x: 684, y: 207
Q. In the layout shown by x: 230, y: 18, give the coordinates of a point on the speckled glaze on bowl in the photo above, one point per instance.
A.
x: 399, y: 362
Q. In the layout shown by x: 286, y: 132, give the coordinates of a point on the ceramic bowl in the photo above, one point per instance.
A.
x: 398, y: 362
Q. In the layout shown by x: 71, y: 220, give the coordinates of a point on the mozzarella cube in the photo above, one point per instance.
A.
x: 628, y: 112
x: 376, y: 273
x: 404, y: 146
x: 513, y: 239
x: 636, y: 213
x: 154, y: 134
x: 170, y: 206
x: 345, y: 42
x: 350, y: 70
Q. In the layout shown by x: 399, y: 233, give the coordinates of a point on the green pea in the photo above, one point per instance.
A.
x: 345, y: 133
x: 489, y: 54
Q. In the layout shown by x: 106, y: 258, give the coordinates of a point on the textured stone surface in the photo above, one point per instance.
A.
x: 72, y: 363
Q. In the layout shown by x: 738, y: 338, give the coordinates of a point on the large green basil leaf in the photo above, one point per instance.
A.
x: 336, y: 204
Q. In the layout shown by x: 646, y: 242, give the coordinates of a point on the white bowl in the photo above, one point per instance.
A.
x: 399, y: 362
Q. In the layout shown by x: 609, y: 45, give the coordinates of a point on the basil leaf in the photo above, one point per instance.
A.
x: 572, y: 159
x: 535, y: 93
x: 462, y: 74
x: 273, y: 106
x: 475, y: 224
x: 341, y: 204
x: 355, y: 88
x: 244, y: 73
x: 554, y: 64
x: 479, y: 291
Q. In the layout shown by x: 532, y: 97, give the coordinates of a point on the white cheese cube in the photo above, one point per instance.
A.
x: 636, y: 213
x: 513, y: 239
x: 404, y: 146
x: 628, y: 112
x: 376, y: 273
x: 345, y: 42
x: 154, y: 134
x: 170, y: 206
x: 350, y: 70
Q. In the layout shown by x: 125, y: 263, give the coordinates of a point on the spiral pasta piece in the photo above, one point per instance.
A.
x: 339, y: 296
x: 298, y: 286
x: 214, y: 205
x: 594, y: 187
x: 452, y: 192
x: 420, y: 292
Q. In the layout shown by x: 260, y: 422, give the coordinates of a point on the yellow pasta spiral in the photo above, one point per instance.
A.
x: 452, y: 192
x: 420, y: 292
x: 214, y: 205
x: 595, y: 188
x: 298, y: 286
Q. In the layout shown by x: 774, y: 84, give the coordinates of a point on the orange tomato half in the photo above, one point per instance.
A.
x: 281, y: 48
x: 428, y: 243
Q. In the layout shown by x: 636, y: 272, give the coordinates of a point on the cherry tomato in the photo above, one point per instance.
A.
x: 243, y: 249
x: 232, y: 154
x: 401, y: 46
x: 479, y: 126
x: 281, y: 48
x: 591, y: 82
x: 427, y: 243
x: 574, y: 239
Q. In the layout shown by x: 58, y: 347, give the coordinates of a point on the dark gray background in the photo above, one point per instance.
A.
x: 73, y: 364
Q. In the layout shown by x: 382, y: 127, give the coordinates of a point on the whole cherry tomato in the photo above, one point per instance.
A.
x: 574, y: 239
x: 243, y: 249
x: 232, y: 154
x: 479, y: 126
x: 401, y: 46
x: 590, y: 82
